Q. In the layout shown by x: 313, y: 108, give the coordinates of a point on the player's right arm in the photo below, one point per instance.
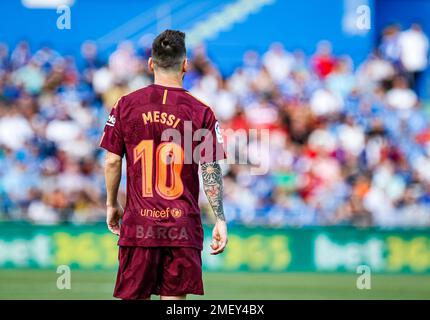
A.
x: 113, y: 142
x: 213, y: 187
x: 113, y: 165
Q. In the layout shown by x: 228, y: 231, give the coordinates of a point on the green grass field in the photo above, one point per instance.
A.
x: 38, y: 284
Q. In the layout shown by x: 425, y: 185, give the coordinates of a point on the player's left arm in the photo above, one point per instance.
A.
x: 113, y: 165
x: 213, y: 187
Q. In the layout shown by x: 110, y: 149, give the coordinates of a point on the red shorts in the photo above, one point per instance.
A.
x: 166, y: 271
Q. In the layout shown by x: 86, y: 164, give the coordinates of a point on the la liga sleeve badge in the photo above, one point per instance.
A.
x: 218, y: 133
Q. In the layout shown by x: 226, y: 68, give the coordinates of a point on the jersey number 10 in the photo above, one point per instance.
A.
x: 169, y: 158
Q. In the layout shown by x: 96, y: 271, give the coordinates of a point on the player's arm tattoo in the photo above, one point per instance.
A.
x: 213, y: 187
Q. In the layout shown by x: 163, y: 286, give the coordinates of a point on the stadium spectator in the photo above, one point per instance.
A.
x: 323, y: 61
x: 390, y: 47
x: 414, y: 49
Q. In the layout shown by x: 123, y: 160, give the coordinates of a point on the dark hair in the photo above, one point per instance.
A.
x: 168, y: 50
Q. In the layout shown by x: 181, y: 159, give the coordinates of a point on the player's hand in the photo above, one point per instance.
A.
x: 113, y: 215
x: 219, y: 237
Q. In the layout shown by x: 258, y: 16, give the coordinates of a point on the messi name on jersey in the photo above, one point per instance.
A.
x: 161, y: 117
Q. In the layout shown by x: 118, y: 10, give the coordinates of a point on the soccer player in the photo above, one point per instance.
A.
x: 164, y: 133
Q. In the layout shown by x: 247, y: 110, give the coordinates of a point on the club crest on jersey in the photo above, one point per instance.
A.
x: 111, y: 120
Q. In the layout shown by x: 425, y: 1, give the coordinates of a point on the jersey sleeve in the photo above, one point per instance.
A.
x: 112, y: 138
x: 213, y: 145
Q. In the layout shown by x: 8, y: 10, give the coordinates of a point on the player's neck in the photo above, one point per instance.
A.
x: 169, y: 80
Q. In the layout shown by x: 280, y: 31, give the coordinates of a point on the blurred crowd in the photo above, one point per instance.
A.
x: 349, y: 144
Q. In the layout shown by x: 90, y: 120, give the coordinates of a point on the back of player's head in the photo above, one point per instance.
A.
x: 168, y: 50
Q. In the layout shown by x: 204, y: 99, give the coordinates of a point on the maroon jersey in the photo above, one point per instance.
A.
x: 164, y: 133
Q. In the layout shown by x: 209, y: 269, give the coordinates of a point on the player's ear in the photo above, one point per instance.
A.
x: 150, y: 64
x: 185, y: 66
